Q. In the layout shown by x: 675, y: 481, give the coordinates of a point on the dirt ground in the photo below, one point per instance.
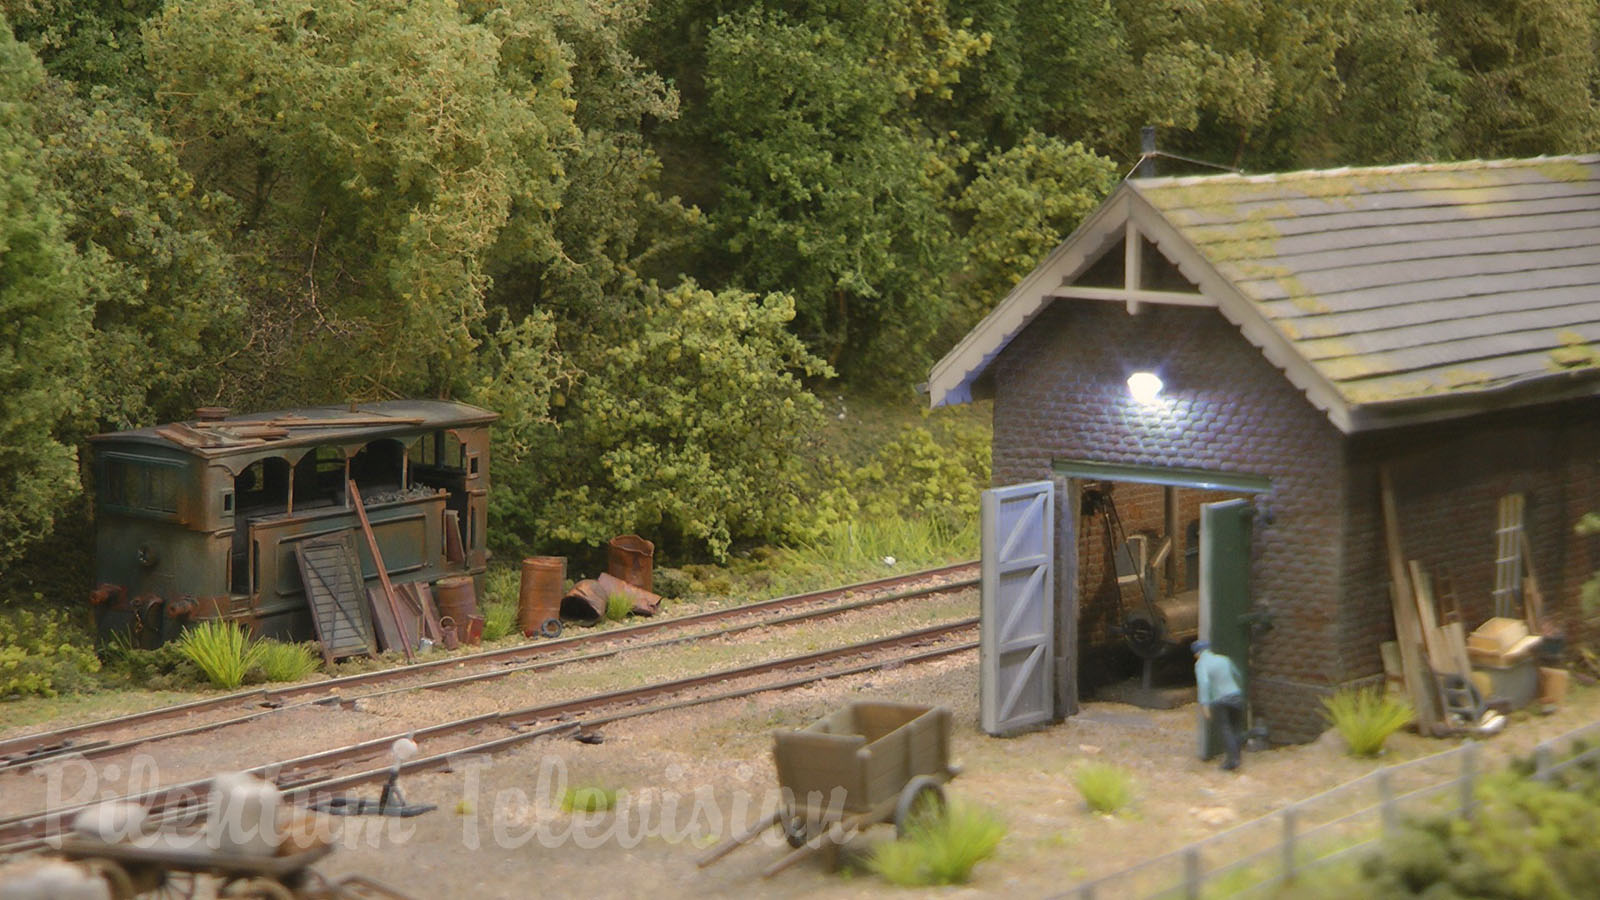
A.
x: 691, y: 777
x: 499, y: 831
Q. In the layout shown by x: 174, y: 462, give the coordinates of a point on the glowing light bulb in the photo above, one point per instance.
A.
x: 1144, y: 386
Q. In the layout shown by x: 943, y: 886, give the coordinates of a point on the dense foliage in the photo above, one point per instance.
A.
x: 644, y: 232
x: 1553, y: 826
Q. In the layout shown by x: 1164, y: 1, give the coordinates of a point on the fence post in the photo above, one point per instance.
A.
x: 1541, y: 762
x: 1469, y: 776
x: 1386, y: 800
x: 1191, y: 873
x: 1289, y: 815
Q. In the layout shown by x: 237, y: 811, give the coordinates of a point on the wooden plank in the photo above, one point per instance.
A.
x: 1532, y: 597
x: 1439, y: 656
x: 304, y: 422
x: 390, y: 634
x: 1408, y: 632
x: 377, y: 558
x: 1455, y: 635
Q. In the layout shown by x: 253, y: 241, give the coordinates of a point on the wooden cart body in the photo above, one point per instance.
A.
x: 868, y: 752
x: 867, y: 763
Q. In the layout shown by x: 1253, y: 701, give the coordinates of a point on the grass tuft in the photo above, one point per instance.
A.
x: 286, y: 662
x: 618, y: 606
x: 1366, y: 718
x: 1105, y: 788
x: 588, y: 799
x: 222, y: 650
x: 499, y: 619
x: 939, y: 849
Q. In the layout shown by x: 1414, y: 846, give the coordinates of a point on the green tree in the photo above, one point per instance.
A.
x: 43, y: 286
x: 378, y: 152
x: 831, y: 190
x: 688, y: 424
x: 165, y: 307
x: 1022, y: 203
x: 1530, y: 75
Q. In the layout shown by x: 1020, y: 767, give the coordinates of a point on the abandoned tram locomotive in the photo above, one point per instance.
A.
x: 200, y: 520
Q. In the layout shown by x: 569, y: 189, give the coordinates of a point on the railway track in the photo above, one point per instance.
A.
x: 313, y: 776
x: 84, y: 740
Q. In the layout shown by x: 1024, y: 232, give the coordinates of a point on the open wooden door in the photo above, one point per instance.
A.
x: 1016, y: 643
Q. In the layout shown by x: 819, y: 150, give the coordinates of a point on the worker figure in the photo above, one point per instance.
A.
x: 1221, y: 690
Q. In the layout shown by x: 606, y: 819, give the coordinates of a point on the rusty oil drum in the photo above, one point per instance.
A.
x: 544, y: 579
x: 456, y: 598
x: 631, y: 558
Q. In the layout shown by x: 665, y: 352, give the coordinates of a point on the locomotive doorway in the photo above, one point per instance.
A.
x: 1162, y: 559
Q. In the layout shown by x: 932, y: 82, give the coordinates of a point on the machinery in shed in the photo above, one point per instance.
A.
x: 212, y: 518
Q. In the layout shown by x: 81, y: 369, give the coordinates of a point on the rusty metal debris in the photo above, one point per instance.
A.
x: 587, y: 599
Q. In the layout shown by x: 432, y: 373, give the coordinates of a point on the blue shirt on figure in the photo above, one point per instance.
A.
x: 1216, y: 676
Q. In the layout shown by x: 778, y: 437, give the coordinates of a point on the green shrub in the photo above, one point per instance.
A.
x: 163, y: 668
x: 588, y: 799
x: 44, y: 654
x: 285, y: 662
x: 222, y: 650
x: 499, y: 619
x: 939, y: 849
x: 1105, y: 788
x: 1366, y: 718
x: 1553, y: 828
x: 618, y: 606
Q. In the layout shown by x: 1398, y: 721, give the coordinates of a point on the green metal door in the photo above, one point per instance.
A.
x: 1225, y: 595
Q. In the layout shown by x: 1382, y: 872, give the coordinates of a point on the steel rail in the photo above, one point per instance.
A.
x: 37, y: 746
x: 107, y: 748
x: 30, y: 831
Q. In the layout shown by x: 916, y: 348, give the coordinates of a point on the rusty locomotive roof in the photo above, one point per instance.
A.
x: 304, y: 426
x: 1387, y: 294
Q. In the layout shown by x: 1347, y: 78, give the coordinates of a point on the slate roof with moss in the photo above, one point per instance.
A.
x: 1405, y: 282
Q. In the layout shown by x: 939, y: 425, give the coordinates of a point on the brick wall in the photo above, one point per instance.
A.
x: 1448, y: 480
x: 1061, y: 394
x: 1319, y: 566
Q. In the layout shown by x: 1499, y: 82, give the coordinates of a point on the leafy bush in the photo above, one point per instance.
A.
x: 43, y: 653
x: 1105, y: 788
x: 1553, y: 827
x: 164, y: 668
x: 499, y: 619
x: 618, y: 606
x: 285, y: 662
x: 222, y: 650
x: 939, y: 849
x: 689, y: 427
x: 588, y: 799
x: 1365, y: 718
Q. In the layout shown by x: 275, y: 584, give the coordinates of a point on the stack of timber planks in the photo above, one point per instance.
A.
x: 1432, y: 658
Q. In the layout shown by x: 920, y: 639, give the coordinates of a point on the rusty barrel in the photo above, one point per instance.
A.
x: 630, y: 558
x: 455, y: 597
x: 543, y: 579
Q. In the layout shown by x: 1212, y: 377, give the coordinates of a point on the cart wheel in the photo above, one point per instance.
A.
x: 793, y: 823
x: 174, y: 885
x: 113, y: 874
x: 922, y: 797
x: 551, y: 628
x: 256, y: 889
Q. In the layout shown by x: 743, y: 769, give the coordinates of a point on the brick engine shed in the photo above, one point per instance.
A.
x: 1308, y: 329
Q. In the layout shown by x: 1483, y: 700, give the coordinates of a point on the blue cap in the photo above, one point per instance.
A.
x: 1200, y: 645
